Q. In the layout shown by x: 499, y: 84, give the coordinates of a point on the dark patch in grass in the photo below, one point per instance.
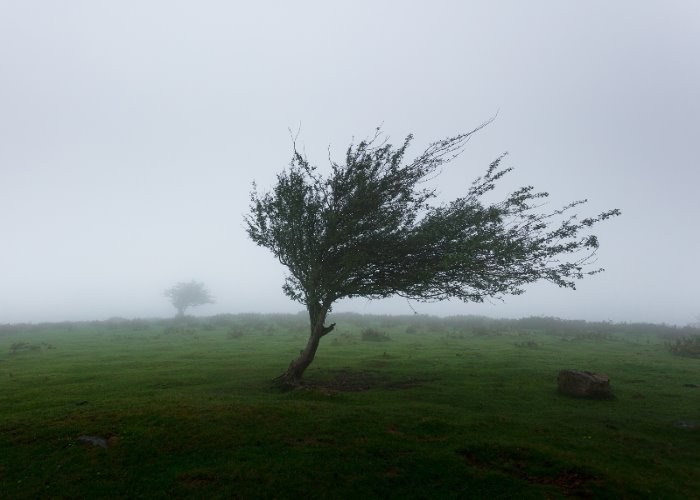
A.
x: 311, y: 441
x: 592, y: 397
x: 347, y: 381
x: 409, y: 383
x: 534, y: 468
x: 196, y: 479
x: 358, y: 381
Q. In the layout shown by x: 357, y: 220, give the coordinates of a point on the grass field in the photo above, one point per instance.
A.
x: 451, y: 408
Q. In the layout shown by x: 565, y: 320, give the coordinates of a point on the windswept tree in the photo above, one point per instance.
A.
x: 368, y: 229
x: 184, y: 295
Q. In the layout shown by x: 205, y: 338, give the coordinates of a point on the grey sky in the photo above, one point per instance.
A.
x: 130, y: 133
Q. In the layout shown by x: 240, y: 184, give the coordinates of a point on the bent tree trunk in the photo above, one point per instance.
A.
x: 317, y: 317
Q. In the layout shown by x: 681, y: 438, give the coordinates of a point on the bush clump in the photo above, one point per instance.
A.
x: 236, y: 332
x: 373, y: 335
x: 688, y: 347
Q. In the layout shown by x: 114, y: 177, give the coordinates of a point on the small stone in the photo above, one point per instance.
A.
x: 94, y: 440
x: 685, y: 424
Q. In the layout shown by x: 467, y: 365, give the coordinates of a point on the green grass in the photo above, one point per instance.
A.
x: 451, y: 412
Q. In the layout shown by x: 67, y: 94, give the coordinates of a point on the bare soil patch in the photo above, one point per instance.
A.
x: 534, y: 468
x: 359, y: 380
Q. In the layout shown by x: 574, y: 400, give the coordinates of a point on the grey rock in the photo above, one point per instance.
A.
x: 685, y: 424
x: 94, y: 440
x: 584, y: 384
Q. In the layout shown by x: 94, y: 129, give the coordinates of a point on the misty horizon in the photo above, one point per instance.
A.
x: 131, y: 137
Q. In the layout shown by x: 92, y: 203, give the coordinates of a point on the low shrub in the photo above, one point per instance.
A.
x: 685, y: 346
x: 373, y: 335
x: 485, y: 331
x: 235, y: 332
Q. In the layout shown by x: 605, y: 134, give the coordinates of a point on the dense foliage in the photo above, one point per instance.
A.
x: 368, y: 229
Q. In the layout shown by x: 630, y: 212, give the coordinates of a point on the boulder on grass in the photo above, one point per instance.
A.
x: 584, y: 384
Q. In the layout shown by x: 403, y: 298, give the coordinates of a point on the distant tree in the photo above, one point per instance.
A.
x: 184, y: 295
x: 367, y: 229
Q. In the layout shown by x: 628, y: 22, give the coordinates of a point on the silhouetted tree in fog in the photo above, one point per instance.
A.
x: 367, y: 229
x: 184, y: 295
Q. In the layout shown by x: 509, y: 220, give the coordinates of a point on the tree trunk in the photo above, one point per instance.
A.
x: 317, y: 316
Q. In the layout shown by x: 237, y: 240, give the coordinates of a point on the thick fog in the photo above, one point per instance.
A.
x: 130, y: 134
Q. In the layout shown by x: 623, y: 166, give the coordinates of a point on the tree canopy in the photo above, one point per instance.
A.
x: 368, y: 229
x: 188, y: 294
